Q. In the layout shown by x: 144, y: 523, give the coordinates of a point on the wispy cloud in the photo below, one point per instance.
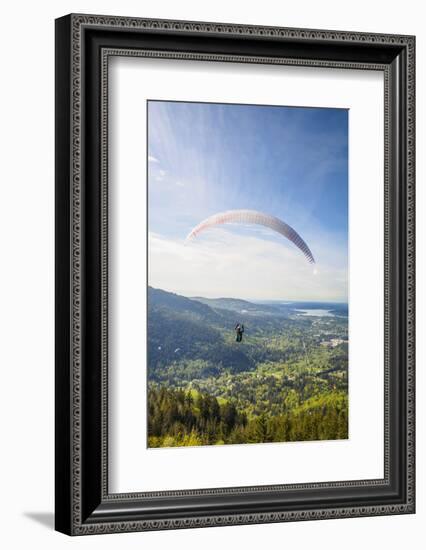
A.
x: 152, y: 159
x: 225, y: 263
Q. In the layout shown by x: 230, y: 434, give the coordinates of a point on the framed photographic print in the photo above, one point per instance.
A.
x: 234, y: 274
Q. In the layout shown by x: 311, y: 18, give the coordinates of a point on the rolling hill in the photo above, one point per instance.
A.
x: 182, y: 328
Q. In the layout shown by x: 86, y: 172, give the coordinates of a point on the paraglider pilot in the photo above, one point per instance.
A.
x: 239, y: 329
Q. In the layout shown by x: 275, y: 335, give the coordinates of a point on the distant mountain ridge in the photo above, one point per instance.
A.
x: 241, y: 306
x: 215, y: 309
x: 161, y: 298
x: 211, y: 308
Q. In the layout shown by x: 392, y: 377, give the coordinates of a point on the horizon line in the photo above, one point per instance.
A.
x: 253, y: 300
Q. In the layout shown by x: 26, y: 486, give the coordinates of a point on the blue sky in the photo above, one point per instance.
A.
x: 285, y: 161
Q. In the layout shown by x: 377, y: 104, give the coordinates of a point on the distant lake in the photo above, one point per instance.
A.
x: 315, y: 312
x: 305, y: 308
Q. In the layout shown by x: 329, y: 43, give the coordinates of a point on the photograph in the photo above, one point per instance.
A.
x: 248, y: 274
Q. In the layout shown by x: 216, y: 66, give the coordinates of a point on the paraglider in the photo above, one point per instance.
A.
x: 258, y: 218
x: 239, y: 329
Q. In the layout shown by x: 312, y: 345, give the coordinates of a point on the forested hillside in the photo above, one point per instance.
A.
x: 286, y: 381
x: 177, y: 418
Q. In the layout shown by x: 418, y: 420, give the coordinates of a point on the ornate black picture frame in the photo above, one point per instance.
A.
x: 84, y: 44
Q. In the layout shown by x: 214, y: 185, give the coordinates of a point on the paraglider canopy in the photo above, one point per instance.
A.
x: 254, y: 217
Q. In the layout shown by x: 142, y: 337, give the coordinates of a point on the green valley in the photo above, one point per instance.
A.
x: 286, y: 381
